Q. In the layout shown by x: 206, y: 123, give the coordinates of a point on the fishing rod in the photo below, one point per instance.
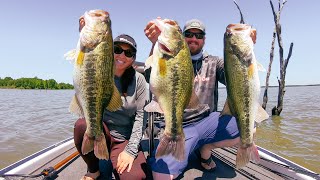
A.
x: 48, y: 173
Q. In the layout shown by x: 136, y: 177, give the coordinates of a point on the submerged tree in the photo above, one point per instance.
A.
x: 283, y: 62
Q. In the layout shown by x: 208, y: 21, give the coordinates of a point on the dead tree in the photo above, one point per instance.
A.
x: 283, y: 62
x: 265, y: 95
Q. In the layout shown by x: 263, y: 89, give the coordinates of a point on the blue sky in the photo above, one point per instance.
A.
x: 35, y: 34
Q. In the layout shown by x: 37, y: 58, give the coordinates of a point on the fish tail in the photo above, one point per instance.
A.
x: 87, y: 144
x: 171, y: 145
x: 100, y: 147
x: 245, y: 154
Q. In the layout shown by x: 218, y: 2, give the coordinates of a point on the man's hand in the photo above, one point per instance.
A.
x: 152, y: 31
x: 124, y: 160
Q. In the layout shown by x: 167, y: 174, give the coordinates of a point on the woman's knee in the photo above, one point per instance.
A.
x: 79, y: 130
x: 137, y: 174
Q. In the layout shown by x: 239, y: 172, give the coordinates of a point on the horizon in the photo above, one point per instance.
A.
x: 222, y: 85
x: 36, y: 34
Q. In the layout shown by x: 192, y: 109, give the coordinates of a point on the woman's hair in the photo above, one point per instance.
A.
x: 127, y: 78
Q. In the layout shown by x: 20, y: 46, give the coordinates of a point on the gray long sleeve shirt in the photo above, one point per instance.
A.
x: 209, y: 70
x: 127, y: 122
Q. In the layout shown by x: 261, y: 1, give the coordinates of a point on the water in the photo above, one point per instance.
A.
x: 295, y: 134
x: 31, y: 120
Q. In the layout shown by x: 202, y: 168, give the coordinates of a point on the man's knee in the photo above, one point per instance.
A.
x: 160, y: 176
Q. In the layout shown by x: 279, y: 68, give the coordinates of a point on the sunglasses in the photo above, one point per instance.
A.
x: 190, y: 35
x: 128, y: 53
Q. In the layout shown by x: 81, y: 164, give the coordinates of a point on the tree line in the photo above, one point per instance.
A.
x: 32, y: 83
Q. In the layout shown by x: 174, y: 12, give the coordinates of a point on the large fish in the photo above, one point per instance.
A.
x: 171, y: 81
x: 93, y: 79
x: 243, y: 87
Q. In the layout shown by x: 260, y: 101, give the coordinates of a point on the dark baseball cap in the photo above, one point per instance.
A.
x: 124, y: 38
x: 194, y: 24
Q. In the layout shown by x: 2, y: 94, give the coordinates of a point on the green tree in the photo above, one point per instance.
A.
x: 33, y: 83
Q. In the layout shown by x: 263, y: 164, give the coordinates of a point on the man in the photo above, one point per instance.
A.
x: 208, y: 71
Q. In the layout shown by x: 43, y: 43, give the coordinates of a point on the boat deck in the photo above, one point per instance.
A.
x: 224, y: 158
x: 270, y: 166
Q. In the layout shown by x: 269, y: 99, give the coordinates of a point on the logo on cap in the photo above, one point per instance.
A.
x: 125, y: 40
x: 195, y: 24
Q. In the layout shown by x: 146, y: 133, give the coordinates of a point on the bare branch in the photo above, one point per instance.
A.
x: 280, y: 9
x: 274, y: 13
x: 289, y: 56
x: 241, y: 21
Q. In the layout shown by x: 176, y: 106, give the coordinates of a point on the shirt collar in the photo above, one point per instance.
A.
x: 197, y: 56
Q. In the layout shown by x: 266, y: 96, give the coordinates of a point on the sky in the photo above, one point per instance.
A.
x: 35, y: 34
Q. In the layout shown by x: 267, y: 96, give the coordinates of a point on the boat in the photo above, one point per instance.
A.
x: 62, y: 161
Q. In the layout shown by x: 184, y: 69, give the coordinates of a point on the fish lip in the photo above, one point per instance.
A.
x: 98, y: 13
x: 234, y: 28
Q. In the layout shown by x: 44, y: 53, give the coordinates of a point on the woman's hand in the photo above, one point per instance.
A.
x: 124, y: 161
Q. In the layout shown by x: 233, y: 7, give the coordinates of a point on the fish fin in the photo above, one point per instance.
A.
x: 153, y: 106
x: 226, y: 109
x: 171, y: 145
x: 75, y: 107
x: 251, y: 71
x: 162, y: 67
x: 194, y: 101
x: 148, y: 62
x: 253, y: 35
x: 70, y: 55
x: 80, y: 58
x: 260, y: 67
x: 115, y: 102
x: 244, y: 155
x: 261, y: 115
x: 100, y: 147
x: 87, y: 144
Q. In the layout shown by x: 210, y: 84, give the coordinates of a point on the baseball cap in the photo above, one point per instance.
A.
x: 124, y: 38
x: 194, y: 24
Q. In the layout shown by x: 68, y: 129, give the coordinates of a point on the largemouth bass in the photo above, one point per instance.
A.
x: 93, y: 79
x: 171, y: 81
x: 243, y: 87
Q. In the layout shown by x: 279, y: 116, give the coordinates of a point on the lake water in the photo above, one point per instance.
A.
x: 31, y: 120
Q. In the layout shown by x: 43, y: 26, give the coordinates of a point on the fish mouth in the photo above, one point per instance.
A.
x: 98, y: 13
x: 234, y: 28
x: 241, y: 28
x: 164, y: 49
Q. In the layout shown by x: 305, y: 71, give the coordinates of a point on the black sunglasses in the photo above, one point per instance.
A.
x: 191, y: 34
x: 128, y: 53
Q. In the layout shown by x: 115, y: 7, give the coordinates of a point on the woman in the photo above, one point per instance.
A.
x: 123, y: 128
